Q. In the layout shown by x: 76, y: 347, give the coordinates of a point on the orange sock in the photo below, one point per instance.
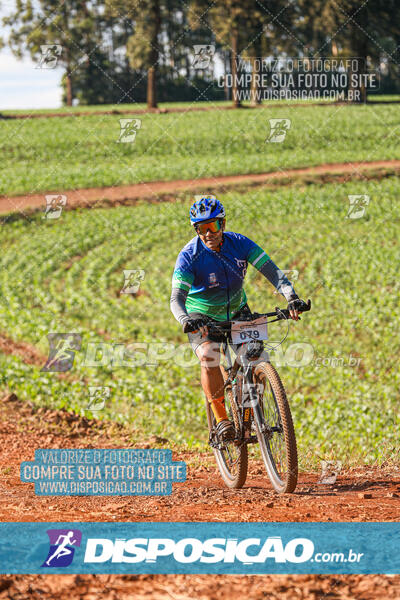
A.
x: 218, y: 408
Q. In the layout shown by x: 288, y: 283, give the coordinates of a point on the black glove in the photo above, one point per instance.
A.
x: 191, y: 325
x: 297, y: 304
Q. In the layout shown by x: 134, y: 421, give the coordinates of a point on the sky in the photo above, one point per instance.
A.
x: 21, y: 85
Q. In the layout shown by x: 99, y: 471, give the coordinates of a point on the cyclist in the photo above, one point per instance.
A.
x: 207, y: 286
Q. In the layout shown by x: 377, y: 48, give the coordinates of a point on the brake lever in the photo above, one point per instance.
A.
x: 280, y: 314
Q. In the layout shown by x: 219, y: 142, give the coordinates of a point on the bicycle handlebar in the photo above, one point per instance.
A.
x: 280, y: 313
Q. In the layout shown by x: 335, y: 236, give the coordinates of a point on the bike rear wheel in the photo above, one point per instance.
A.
x: 277, y: 440
x: 231, y: 458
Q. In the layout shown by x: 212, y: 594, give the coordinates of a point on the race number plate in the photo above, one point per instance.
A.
x: 244, y: 331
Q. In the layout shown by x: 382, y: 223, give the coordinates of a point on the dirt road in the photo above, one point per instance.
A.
x: 156, y: 190
x: 363, y: 494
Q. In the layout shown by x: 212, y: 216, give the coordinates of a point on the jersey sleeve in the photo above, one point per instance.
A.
x: 183, y: 275
x: 263, y: 263
x: 255, y: 255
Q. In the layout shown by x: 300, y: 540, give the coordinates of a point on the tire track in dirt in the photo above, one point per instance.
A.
x: 165, y: 190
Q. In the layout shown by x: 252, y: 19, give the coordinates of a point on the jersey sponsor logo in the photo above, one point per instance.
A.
x: 212, y: 280
x: 242, y: 264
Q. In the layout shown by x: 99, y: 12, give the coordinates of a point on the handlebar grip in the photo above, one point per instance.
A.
x: 189, y: 330
x: 188, y: 326
x: 306, y: 307
x: 284, y: 312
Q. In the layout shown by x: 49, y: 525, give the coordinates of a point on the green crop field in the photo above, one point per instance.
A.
x: 75, y: 152
x: 65, y: 275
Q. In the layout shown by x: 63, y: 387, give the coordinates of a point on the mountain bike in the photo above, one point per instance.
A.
x: 256, y: 404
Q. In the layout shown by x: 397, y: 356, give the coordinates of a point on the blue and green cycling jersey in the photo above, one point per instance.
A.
x: 214, y: 280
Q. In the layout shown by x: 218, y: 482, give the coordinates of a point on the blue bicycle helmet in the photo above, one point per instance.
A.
x: 205, y: 209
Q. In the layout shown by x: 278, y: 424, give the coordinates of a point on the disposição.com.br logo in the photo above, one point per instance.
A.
x: 247, y: 551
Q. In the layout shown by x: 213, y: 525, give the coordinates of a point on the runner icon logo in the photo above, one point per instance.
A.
x: 133, y: 279
x: 62, y: 351
x: 54, y: 205
x: 98, y: 395
x: 358, y: 204
x: 50, y: 55
x: 203, y: 55
x: 61, y: 551
x: 128, y: 130
x: 291, y: 274
x: 279, y: 129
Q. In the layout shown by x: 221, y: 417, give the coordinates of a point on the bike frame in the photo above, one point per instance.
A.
x: 247, y: 390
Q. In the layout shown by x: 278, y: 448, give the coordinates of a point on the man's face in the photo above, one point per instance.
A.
x: 210, y: 239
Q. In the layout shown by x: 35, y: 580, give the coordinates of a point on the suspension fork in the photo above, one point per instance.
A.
x: 252, y: 395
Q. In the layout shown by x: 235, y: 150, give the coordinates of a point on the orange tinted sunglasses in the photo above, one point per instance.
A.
x: 213, y: 226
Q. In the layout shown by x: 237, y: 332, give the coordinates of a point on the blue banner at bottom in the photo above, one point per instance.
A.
x: 203, y: 548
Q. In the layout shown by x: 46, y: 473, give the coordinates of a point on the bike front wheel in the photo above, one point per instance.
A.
x: 276, y: 437
x: 231, y: 457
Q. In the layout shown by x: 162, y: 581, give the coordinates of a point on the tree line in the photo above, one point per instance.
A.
x: 124, y: 51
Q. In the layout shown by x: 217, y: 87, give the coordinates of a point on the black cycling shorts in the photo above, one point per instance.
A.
x: 196, y: 339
